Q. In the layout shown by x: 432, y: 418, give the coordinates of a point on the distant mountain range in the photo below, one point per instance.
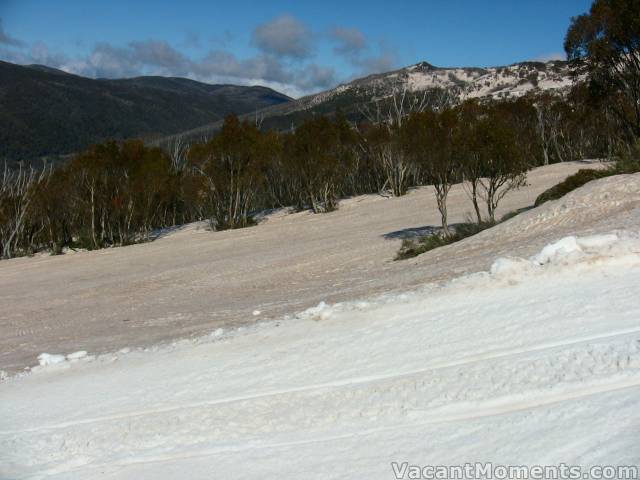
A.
x: 526, y: 78
x: 45, y: 112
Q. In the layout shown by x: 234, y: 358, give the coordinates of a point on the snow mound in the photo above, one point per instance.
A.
x: 572, y: 250
x: 77, y: 355
x: 571, y: 246
x: 50, y: 359
x: 564, y: 248
x: 218, y: 332
x: 322, y: 311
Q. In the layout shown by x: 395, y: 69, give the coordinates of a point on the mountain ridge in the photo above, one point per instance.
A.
x: 64, y: 113
x: 459, y: 83
x: 48, y: 112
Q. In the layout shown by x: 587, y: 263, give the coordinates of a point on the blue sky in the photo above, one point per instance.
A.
x: 297, y: 47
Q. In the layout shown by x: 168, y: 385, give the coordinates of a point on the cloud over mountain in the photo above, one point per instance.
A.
x: 285, y: 57
x: 284, y: 36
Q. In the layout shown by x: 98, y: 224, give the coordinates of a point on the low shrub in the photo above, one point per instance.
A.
x: 412, y: 247
x: 513, y: 213
x: 464, y: 230
x: 577, y: 180
x: 628, y: 161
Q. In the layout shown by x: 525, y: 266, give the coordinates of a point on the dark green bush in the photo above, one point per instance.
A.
x: 577, y: 180
x: 412, y: 247
x: 513, y: 213
x: 628, y: 161
x: 464, y: 230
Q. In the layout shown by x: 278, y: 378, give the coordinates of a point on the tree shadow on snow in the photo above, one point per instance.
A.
x: 417, y: 232
x: 412, y: 232
x: 164, y: 232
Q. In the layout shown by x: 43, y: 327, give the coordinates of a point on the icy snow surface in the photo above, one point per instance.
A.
x: 519, y: 345
x: 534, y: 362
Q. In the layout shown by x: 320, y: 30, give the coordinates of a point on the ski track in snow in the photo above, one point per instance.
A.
x: 631, y: 333
x: 479, y: 411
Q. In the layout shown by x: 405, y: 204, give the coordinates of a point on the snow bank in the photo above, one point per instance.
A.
x: 571, y: 252
x: 566, y: 253
x: 50, y: 359
x: 322, y: 311
x: 569, y: 247
x: 574, y: 250
x: 77, y: 355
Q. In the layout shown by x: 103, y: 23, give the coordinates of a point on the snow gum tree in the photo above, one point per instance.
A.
x: 319, y: 154
x: 428, y: 138
x: 232, y: 167
x: 501, y: 161
x: 493, y: 157
x: 121, y: 192
x: 470, y: 160
x: 604, y: 44
x: 381, y: 143
x: 17, y: 192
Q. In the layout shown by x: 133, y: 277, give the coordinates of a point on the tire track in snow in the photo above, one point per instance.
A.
x: 488, y: 356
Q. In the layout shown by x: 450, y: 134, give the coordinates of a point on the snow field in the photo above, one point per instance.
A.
x: 192, y: 282
x: 534, y: 361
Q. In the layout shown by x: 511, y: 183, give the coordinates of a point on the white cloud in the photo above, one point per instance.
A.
x: 284, y: 36
x: 283, y: 62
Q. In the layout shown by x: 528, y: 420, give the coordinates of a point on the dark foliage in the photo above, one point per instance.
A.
x: 627, y: 162
x: 572, y: 182
x: 47, y: 112
x: 605, y: 44
x: 412, y: 247
x: 117, y: 193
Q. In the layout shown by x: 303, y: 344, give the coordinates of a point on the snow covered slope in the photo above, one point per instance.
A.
x: 535, y: 362
x: 463, y: 82
x: 191, y: 281
x: 456, y: 83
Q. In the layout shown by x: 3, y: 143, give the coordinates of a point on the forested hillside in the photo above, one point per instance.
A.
x: 117, y: 193
x: 47, y: 112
